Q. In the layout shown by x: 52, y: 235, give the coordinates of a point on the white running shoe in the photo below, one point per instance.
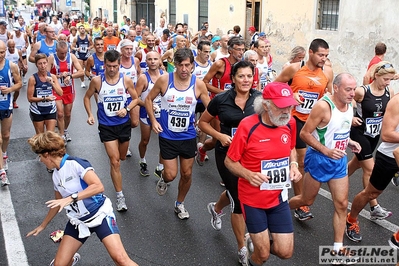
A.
x: 216, y: 220
x: 76, y: 259
x: 121, y: 204
x: 181, y: 212
x: 4, y: 179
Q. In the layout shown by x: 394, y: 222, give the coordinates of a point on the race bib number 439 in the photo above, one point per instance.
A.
x: 279, y: 172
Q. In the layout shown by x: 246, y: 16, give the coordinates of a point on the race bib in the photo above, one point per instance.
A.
x: 3, y: 97
x: 157, y: 105
x: 44, y: 93
x: 309, y: 100
x: 111, y: 47
x: 233, y: 131
x: 227, y: 87
x: 279, y: 172
x: 112, y: 104
x: 340, y: 141
x: 83, y: 48
x: 373, y: 126
x: 178, y: 121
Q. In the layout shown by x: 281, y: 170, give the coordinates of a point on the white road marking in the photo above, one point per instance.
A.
x: 15, y: 249
x: 383, y: 223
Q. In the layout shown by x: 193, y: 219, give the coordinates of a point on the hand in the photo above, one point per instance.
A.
x: 67, y: 80
x: 122, y: 112
x: 354, y: 146
x: 335, y: 154
x: 35, y: 231
x: 90, y: 120
x: 356, y: 121
x: 49, y: 80
x: 256, y: 179
x: 51, y: 98
x: 299, y: 98
x: 4, y: 90
x: 295, y: 175
x: 59, y: 203
x: 156, y: 127
x: 225, y: 140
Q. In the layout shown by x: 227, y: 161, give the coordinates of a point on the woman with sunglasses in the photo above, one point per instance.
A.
x: 78, y: 190
x: 371, y: 101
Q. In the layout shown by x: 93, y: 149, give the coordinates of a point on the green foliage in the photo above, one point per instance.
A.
x: 28, y: 2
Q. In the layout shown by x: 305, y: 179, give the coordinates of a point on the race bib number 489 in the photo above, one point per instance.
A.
x: 279, y: 172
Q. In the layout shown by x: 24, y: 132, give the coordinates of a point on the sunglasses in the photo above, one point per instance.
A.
x: 384, y: 67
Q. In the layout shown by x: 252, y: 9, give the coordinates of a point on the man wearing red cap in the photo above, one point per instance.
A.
x: 326, y: 131
x: 253, y: 34
x: 262, y: 154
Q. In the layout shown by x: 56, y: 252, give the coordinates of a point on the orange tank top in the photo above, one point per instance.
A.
x: 311, y: 85
x: 110, y: 44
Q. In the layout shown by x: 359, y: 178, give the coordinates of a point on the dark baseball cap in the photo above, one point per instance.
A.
x: 166, y: 31
x: 2, y: 22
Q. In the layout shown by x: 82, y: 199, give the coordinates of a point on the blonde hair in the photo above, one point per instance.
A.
x: 382, y: 68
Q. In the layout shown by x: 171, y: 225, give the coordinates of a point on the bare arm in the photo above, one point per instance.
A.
x: 33, y: 52
x: 159, y: 87
x: 50, y: 215
x: 213, y: 71
x: 140, y: 86
x: 391, y: 121
x: 94, y: 84
x: 89, y: 66
x: 79, y: 70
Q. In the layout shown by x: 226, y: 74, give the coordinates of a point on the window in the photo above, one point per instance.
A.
x: 328, y: 14
x: 172, y: 12
x: 115, y: 11
x: 202, y: 12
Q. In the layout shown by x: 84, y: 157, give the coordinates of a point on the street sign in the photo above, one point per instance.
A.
x: 68, y: 2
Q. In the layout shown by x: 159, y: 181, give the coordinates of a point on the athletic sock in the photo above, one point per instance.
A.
x: 337, y: 246
x: 119, y: 194
x: 160, y: 167
x: 350, y: 219
x: 142, y: 160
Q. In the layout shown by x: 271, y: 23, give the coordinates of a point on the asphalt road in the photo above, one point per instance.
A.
x: 151, y: 232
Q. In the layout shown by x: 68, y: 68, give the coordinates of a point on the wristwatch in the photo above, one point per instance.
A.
x: 74, y: 197
x: 127, y: 109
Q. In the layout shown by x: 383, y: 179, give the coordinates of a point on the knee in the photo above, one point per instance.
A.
x: 341, y: 205
x: 144, y: 141
x: 115, y: 163
x: 60, y: 114
x: 120, y: 258
x: 134, y: 123
x: 5, y: 136
x: 186, y: 175
x: 284, y: 254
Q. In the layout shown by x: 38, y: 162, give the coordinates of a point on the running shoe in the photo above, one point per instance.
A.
x: 379, y: 213
x: 4, y: 179
x: 303, y: 213
x: 76, y: 259
x: 222, y: 184
x: 5, y: 163
x: 158, y: 173
x: 216, y: 220
x: 249, y: 245
x: 162, y: 187
x: 353, y: 231
x: 65, y: 140
x: 121, y: 204
x: 242, y: 256
x: 143, y: 169
x: 200, y: 156
x: 67, y: 137
x: 181, y: 212
x: 128, y: 153
x: 206, y: 158
x: 393, y: 243
x: 395, y: 179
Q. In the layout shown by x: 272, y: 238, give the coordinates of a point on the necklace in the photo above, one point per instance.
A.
x: 181, y: 84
